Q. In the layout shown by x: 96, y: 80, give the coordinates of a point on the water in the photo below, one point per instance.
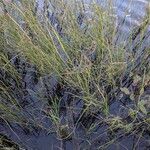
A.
x: 132, y: 10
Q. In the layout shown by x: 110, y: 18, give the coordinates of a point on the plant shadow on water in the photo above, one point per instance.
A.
x: 54, y: 96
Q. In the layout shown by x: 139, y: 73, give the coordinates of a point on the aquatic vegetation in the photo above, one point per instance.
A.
x: 65, y: 71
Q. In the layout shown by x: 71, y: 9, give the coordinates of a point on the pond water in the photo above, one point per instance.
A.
x: 41, y: 138
x: 132, y: 11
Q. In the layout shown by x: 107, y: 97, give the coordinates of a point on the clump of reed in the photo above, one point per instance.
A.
x: 78, y: 43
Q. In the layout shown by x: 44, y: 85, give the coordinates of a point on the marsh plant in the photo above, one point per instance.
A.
x: 107, y: 81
